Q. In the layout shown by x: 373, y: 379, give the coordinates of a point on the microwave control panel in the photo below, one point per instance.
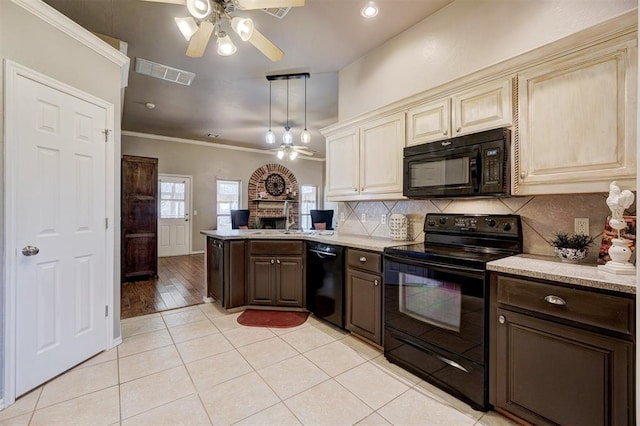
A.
x: 492, y: 166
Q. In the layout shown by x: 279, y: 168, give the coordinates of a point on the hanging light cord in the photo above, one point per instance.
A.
x: 305, y: 102
x: 287, y: 104
x: 269, y: 104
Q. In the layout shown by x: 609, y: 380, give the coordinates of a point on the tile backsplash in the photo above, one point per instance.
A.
x: 542, y: 216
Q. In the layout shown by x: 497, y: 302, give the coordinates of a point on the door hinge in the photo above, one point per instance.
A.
x: 106, y: 310
x: 106, y: 223
x: 106, y: 134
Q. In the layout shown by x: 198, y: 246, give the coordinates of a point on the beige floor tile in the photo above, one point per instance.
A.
x: 183, y: 316
x: 292, y: 376
x: 23, y: 405
x: 328, y: 404
x: 237, y: 399
x: 415, y: 408
x: 243, y: 336
x: 281, y: 331
x: 366, y: 350
x: 185, y: 411
x: 227, y: 322
x: 371, y: 384
x: 335, y: 358
x: 307, y: 339
x: 374, y: 420
x: 492, y: 418
x: 182, y: 333
x: 396, y: 371
x: 105, y: 356
x: 216, y: 369
x: 144, y: 342
x: 22, y: 420
x: 139, y: 325
x: 98, y: 408
x: 267, y: 352
x: 330, y: 329
x: 445, y: 398
x: 278, y: 414
x: 212, y: 310
x: 155, y: 390
x: 203, y: 347
x: 150, y: 362
x: 76, y: 383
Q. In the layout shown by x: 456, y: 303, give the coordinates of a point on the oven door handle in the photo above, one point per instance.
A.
x: 433, y: 354
x: 322, y: 254
x: 442, y: 267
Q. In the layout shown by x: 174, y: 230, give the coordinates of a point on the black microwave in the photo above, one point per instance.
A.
x: 465, y: 166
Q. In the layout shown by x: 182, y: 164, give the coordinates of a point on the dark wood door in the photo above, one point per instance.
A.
x: 290, y: 281
x: 549, y: 373
x: 139, y: 217
x: 363, y: 304
x: 235, y: 273
x: 215, y: 268
x: 262, y: 276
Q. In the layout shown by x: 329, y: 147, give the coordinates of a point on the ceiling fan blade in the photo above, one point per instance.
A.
x: 266, y: 4
x: 265, y: 45
x: 182, y: 2
x: 200, y: 39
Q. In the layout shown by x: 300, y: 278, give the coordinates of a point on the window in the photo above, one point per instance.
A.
x: 228, y: 199
x: 172, y: 200
x: 308, y: 202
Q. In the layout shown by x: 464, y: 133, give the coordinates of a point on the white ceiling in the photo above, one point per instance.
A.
x: 230, y: 95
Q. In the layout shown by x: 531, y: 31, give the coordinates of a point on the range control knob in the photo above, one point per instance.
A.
x: 443, y: 220
x: 491, y: 222
x: 431, y: 222
x: 507, y: 227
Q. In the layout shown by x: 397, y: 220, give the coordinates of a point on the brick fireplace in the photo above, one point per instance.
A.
x: 269, y: 208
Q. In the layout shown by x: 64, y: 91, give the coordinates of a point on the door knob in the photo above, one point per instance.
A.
x: 30, y: 251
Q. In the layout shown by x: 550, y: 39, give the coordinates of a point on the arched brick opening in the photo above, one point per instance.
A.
x: 269, y: 208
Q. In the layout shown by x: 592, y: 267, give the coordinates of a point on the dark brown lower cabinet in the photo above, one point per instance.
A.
x: 548, y: 370
x: 226, y: 271
x: 363, y: 310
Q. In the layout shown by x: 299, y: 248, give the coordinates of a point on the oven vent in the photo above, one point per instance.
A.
x: 278, y: 12
x: 164, y: 72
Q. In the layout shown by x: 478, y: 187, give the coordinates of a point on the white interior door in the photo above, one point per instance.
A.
x: 174, y: 225
x: 60, y: 236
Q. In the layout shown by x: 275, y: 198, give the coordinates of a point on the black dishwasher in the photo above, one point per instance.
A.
x: 325, y: 278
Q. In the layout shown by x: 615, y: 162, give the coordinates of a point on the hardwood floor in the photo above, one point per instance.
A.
x: 180, y: 283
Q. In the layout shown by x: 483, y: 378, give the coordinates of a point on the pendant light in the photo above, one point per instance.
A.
x: 270, y: 137
x: 224, y: 45
x: 287, y: 138
x: 305, y: 137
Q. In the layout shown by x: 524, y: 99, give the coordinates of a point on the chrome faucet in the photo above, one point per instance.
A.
x: 285, y: 213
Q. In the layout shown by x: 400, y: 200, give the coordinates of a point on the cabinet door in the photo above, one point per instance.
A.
x: 342, y: 163
x: 363, y: 310
x: 290, y: 282
x: 429, y: 122
x: 381, y: 143
x: 577, y: 119
x: 484, y: 107
x: 554, y: 374
x: 215, y: 269
x: 262, y: 289
x: 235, y: 273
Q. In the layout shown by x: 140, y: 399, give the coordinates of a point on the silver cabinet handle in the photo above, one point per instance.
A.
x: 445, y: 132
x: 375, y: 282
x: 30, y: 251
x: 445, y: 143
x: 272, y: 261
x: 458, y: 129
x: 502, y: 319
x: 523, y: 175
x: 278, y: 261
x: 555, y: 300
x: 355, y: 189
x: 363, y: 259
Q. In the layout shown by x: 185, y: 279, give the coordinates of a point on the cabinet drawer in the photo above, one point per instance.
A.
x: 600, y: 310
x: 364, y: 260
x: 274, y: 248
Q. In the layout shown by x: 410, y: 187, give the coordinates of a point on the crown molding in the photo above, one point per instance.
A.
x: 208, y: 144
x: 57, y: 20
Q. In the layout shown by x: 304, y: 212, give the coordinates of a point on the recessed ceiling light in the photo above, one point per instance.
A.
x: 370, y: 10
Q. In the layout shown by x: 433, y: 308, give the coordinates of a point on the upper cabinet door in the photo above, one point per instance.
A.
x: 429, y: 122
x: 342, y: 163
x: 381, y: 144
x: 484, y: 107
x: 577, y: 118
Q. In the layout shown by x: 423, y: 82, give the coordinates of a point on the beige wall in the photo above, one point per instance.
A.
x: 461, y: 38
x: 206, y: 163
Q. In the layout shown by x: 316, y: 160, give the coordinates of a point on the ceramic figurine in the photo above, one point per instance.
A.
x: 619, y: 251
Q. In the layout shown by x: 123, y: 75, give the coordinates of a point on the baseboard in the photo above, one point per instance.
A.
x: 115, y: 342
x: 198, y: 252
x: 208, y: 299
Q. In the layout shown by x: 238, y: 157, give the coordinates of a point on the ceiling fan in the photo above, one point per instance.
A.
x: 291, y: 152
x: 207, y: 17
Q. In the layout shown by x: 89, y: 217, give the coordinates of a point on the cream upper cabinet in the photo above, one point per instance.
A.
x: 483, y: 107
x: 365, y: 162
x: 577, y: 117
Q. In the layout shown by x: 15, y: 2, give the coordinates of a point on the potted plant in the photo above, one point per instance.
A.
x: 571, y: 247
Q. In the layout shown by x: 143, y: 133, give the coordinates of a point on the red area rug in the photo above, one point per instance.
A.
x: 273, y: 319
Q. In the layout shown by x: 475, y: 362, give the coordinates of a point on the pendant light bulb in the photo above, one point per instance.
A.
x: 243, y: 27
x: 225, y: 46
x: 287, y: 138
x: 305, y: 136
x: 270, y: 137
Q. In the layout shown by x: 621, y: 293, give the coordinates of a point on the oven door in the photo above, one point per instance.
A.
x: 442, y: 306
x: 452, y: 172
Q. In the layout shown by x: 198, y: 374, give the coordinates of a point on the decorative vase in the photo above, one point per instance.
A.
x: 570, y: 254
x: 619, y: 252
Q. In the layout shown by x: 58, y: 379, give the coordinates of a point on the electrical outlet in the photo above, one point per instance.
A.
x: 581, y: 225
x: 363, y: 218
x: 383, y: 219
x: 341, y: 216
x: 195, y: 212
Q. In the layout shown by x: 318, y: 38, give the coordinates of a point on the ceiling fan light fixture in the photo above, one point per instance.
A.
x: 305, y: 136
x: 224, y: 45
x: 287, y: 138
x: 280, y: 154
x: 199, y: 9
x: 270, y: 137
x: 370, y: 10
x: 293, y: 155
x: 243, y: 27
x: 187, y: 26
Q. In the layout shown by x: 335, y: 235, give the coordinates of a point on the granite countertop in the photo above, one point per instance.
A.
x: 553, y: 269
x: 327, y: 237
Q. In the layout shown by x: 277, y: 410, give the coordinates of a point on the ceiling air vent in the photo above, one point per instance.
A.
x: 164, y: 72
x: 278, y: 12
